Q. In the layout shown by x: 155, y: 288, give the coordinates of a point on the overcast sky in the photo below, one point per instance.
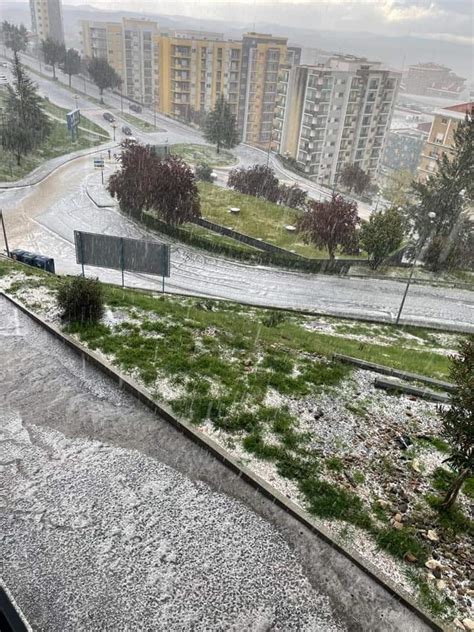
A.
x: 451, y: 20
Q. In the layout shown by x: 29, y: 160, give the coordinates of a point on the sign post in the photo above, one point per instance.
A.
x: 99, y: 164
x: 73, y: 119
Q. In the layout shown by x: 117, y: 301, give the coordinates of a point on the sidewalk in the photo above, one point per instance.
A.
x: 96, y: 191
x: 46, y: 169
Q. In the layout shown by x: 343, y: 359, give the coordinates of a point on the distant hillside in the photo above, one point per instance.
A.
x: 394, y: 51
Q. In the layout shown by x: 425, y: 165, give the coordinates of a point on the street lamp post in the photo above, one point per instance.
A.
x: 4, y: 233
x: 114, y: 127
x: 431, y: 215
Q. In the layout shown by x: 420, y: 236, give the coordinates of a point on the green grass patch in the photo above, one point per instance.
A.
x: 57, y: 144
x: 86, y: 124
x: 257, y: 218
x: 431, y: 599
x: 204, y: 154
x: 140, y: 123
x: 399, y: 542
x: 326, y: 500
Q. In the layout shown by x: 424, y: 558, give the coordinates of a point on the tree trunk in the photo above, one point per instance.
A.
x: 70, y: 79
x: 218, y: 147
x: 454, y: 490
x: 54, y: 71
x: 101, y: 92
x: 18, y: 159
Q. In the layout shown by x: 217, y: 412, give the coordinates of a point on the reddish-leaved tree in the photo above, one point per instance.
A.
x: 147, y: 182
x: 331, y: 225
x: 259, y: 181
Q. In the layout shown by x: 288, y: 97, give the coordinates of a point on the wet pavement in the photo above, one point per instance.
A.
x: 112, y: 520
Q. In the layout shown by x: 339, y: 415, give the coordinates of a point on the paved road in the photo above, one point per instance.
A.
x: 43, y: 218
x: 111, y: 518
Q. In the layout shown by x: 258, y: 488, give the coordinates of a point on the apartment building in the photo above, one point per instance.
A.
x: 332, y: 114
x: 441, y: 138
x: 47, y: 20
x: 431, y: 79
x: 179, y: 73
x: 263, y: 56
x: 194, y: 71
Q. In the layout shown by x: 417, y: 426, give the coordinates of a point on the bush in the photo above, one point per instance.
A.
x: 203, y: 172
x: 81, y: 300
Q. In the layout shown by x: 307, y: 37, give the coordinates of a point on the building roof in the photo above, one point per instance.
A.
x: 461, y: 107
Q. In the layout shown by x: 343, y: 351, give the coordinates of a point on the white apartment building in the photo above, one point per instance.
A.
x: 332, y: 114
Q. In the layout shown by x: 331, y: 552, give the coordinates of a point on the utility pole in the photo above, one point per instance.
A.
x: 4, y: 233
x: 114, y: 127
x: 431, y: 215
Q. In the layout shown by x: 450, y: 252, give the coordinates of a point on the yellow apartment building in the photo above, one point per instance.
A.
x: 441, y: 138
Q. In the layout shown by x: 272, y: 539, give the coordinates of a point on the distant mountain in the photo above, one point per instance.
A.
x: 396, y: 52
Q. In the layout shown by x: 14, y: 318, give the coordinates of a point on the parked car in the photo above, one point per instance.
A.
x: 48, y: 68
x: 108, y: 117
x: 126, y: 130
x: 135, y: 108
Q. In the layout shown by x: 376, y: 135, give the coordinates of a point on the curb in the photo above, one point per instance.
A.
x: 386, y: 370
x: 397, y: 388
x: 17, y: 184
x: 232, y: 464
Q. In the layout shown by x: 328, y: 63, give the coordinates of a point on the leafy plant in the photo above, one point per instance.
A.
x: 103, y: 75
x: 81, y: 300
x: 146, y: 182
x: 220, y: 126
x: 458, y: 420
x: 381, y: 235
x: 53, y: 52
x: 330, y: 224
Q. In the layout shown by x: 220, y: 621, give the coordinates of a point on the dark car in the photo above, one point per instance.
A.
x: 126, y: 130
x: 108, y: 117
x: 135, y: 108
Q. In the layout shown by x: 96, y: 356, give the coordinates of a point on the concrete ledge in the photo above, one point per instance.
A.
x: 10, y: 614
x: 403, y: 375
x: 240, y: 470
x: 397, y: 387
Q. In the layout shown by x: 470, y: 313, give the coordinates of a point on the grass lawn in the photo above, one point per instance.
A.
x: 138, y: 122
x: 214, y: 239
x: 86, y: 124
x: 57, y: 144
x: 249, y: 376
x: 204, y: 153
x: 257, y: 218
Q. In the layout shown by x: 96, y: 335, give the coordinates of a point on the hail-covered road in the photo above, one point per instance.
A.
x: 43, y: 218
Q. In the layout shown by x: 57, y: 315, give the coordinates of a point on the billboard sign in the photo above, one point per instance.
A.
x: 122, y: 253
x: 73, y: 119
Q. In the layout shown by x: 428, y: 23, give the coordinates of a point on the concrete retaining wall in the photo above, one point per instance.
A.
x: 403, y: 375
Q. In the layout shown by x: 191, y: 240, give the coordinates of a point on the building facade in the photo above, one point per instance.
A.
x: 263, y: 56
x: 441, y: 138
x: 179, y: 73
x: 403, y: 149
x: 47, y: 20
x: 434, y: 80
x: 332, y: 114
